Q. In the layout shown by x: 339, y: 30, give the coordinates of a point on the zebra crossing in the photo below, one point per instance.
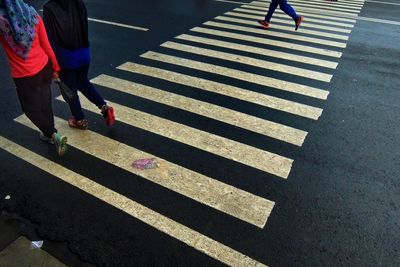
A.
x: 276, y: 59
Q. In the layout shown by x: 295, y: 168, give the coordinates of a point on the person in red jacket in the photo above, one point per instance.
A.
x: 33, y: 64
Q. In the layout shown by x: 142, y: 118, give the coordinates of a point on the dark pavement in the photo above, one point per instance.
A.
x: 340, y: 205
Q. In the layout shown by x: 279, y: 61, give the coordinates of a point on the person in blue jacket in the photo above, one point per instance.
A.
x: 67, y: 26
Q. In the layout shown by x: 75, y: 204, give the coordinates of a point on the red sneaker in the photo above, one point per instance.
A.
x: 298, y: 21
x: 108, y: 114
x: 82, y: 124
x: 264, y: 24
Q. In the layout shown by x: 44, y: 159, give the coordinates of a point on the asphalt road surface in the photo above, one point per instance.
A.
x: 274, y: 147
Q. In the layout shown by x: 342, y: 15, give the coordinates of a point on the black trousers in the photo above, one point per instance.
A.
x: 34, y: 94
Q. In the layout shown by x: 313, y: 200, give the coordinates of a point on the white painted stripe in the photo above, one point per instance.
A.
x: 383, y: 21
x: 301, y: 72
x: 270, y: 42
x: 385, y: 3
x: 329, y: 3
x: 240, y: 75
x: 239, y: 204
x: 152, y: 218
x: 289, y: 22
x: 259, y: 51
x: 227, y: 90
x: 307, y: 10
x: 320, y: 19
x: 220, y: 146
x: 297, y: 5
x: 286, y: 28
x: 276, y: 34
x: 238, y: 119
x: 118, y: 24
x: 246, y: 3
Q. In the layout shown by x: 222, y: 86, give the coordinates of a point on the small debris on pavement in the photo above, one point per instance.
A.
x: 144, y: 164
x: 36, y: 244
x: 8, y: 197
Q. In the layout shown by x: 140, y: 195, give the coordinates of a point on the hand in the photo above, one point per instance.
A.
x: 56, y: 77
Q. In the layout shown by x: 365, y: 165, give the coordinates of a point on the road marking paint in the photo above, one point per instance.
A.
x: 238, y: 119
x: 240, y: 75
x: 329, y: 3
x: 118, y: 24
x: 285, y: 21
x: 297, y: 5
x: 217, y: 145
x: 286, y: 28
x: 381, y: 2
x: 271, y: 42
x: 213, y: 193
x: 301, y: 72
x: 259, y: 31
x: 310, y: 17
x: 227, y: 90
x: 150, y: 217
x: 324, y: 2
x: 259, y: 51
x: 383, y: 21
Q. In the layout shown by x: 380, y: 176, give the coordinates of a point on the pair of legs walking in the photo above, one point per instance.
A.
x: 34, y: 94
x: 285, y: 7
x: 77, y: 79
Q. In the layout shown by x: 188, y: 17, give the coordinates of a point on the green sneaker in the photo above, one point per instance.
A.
x: 60, y: 141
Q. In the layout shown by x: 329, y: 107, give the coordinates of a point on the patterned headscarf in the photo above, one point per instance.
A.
x: 17, y: 25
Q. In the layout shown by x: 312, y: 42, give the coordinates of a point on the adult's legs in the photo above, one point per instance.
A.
x: 272, y: 6
x: 31, y: 93
x: 70, y: 78
x: 288, y: 9
x: 87, y: 88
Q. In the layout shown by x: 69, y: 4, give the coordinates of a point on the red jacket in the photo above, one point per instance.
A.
x: 37, y: 58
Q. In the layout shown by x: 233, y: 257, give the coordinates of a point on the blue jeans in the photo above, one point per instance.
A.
x: 284, y: 6
x: 77, y: 79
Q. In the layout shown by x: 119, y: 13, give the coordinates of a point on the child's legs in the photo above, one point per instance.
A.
x: 70, y: 78
x: 288, y: 9
x: 272, y: 6
x: 87, y: 88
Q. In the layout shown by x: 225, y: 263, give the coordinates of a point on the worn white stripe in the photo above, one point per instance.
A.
x: 240, y: 75
x: 227, y: 90
x: 118, y: 24
x: 285, y: 21
x: 310, y: 17
x: 238, y: 119
x: 271, y: 42
x: 299, y: 6
x: 286, y: 28
x: 259, y: 51
x: 349, y: 5
x: 385, y: 3
x: 213, y: 193
x: 154, y: 219
x: 276, y: 34
x: 301, y: 72
x: 220, y: 146
x: 296, y: 5
x: 307, y: 10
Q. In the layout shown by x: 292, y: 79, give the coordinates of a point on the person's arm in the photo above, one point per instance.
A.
x: 45, y: 44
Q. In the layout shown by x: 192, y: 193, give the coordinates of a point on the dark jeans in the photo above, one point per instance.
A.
x: 77, y: 79
x: 284, y: 6
x: 34, y: 94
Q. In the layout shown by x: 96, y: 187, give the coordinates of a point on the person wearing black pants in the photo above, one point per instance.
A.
x: 34, y: 95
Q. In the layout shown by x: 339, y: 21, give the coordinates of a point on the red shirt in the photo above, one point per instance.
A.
x: 37, y: 58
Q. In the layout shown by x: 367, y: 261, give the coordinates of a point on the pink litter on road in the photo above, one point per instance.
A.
x: 144, y: 164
